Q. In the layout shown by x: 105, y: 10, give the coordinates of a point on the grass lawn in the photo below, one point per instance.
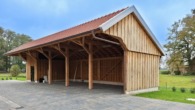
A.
x: 165, y: 92
x: 21, y: 76
x: 177, y: 81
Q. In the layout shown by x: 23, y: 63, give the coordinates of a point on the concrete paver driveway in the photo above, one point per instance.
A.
x: 31, y: 96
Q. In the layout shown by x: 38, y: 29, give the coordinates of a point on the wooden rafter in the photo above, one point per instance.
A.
x: 81, y: 43
x: 41, y: 51
x: 22, y: 57
x: 29, y: 54
x: 58, y: 47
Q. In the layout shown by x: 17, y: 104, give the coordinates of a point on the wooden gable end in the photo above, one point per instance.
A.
x: 133, y: 35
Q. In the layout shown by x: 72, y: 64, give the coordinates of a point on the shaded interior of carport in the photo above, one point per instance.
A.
x: 92, y: 58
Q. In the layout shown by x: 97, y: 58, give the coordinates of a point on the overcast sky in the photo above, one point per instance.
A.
x: 38, y: 18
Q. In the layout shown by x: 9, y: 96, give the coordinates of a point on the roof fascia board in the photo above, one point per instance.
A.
x: 125, y: 13
x: 106, y: 25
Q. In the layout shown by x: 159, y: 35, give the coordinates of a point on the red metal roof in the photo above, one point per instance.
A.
x: 82, y: 28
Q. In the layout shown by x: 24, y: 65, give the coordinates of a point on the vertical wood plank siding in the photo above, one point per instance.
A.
x: 42, y: 68
x: 107, y: 70
x: 141, y: 60
x: 29, y: 63
x: 142, y: 71
x: 133, y: 35
x: 57, y: 69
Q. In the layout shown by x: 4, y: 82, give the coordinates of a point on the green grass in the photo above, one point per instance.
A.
x: 177, y: 81
x: 21, y: 76
x: 169, y: 95
x: 165, y: 92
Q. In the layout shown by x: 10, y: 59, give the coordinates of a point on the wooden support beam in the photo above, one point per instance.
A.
x: 29, y: 54
x: 58, y: 47
x: 77, y: 42
x: 98, y: 71
x: 81, y: 69
x: 42, y: 52
x: 107, y: 41
x: 67, y: 67
x: 23, y: 58
x: 90, y: 69
x: 66, y: 55
x: 125, y: 71
x: 49, y: 68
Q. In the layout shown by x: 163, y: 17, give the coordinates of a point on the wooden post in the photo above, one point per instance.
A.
x: 125, y: 71
x: 98, y: 71
x: 81, y: 70
x: 90, y: 62
x: 35, y: 71
x: 67, y: 66
x: 50, y: 69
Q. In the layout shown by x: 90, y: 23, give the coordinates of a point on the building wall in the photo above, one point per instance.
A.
x: 58, y: 71
x: 142, y: 71
x: 27, y: 69
x: 142, y: 57
x: 133, y: 35
x: 30, y: 62
x: 104, y: 69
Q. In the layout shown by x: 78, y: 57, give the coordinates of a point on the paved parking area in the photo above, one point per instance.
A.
x: 32, y: 96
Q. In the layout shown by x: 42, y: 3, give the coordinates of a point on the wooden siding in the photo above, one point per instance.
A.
x: 142, y: 71
x: 42, y: 68
x: 107, y: 69
x: 29, y: 63
x: 104, y: 69
x: 57, y: 69
x: 133, y: 35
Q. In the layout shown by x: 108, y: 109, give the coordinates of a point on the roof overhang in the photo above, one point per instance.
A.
x: 9, y: 53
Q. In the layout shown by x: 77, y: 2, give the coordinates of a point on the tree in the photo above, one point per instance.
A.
x: 9, y: 40
x: 15, y: 70
x: 181, y: 42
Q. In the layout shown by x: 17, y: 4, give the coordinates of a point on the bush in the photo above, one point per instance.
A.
x: 6, y: 78
x: 165, y: 72
x: 192, y: 90
x: 189, y: 73
x: 174, y: 89
x: 2, y: 78
x: 10, y: 78
x: 183, y: 90
x: 177, y: 72
x: 15, y: 70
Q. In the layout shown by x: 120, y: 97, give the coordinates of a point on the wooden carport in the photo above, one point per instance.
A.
x: 109, y: 49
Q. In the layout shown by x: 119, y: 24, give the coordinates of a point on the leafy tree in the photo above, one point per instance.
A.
x: 9, y: 40
x: 181, y: 42
x: 15, y: 70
